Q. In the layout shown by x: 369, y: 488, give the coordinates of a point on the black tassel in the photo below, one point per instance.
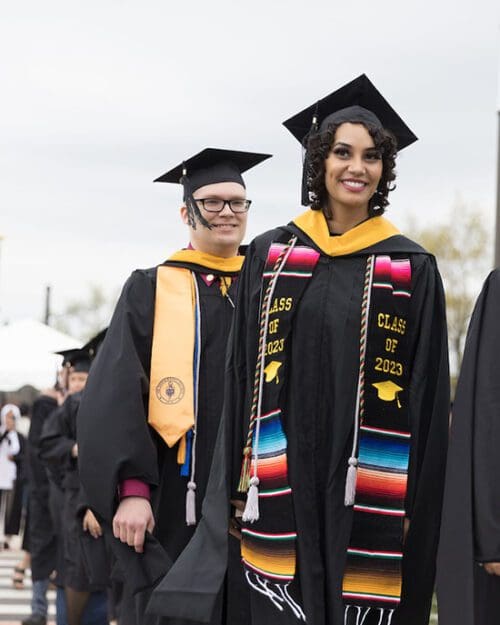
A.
x: 194, y: 213
x: 306, y: 165
x: 305, y: 200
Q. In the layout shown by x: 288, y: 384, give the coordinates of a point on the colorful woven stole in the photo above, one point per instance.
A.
x: 268, y: 547
x: 372, y: 576
x: 373, y: 572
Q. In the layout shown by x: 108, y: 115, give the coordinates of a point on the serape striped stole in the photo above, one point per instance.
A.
x: 373, y: 572
x: 372, y: 577
x: 268, y: 546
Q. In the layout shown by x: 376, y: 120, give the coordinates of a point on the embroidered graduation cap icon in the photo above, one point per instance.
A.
x: 388, y: 391
x: 271, y: 371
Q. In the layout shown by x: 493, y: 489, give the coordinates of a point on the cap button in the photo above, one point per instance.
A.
x: 210, y: 277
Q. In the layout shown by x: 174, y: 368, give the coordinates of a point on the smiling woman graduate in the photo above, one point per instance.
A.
x: 151, y: 410
x: 337, y: 395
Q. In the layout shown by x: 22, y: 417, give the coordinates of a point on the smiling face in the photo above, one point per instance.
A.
x: 353, y: 170
x: 227, y: 228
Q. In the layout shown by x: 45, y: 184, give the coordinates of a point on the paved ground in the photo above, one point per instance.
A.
x: 16, y: 604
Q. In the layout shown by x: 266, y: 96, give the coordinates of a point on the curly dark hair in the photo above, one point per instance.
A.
x: 318, y: 147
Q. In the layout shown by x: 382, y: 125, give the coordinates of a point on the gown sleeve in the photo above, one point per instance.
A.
x: 115, y: 442
x: 56, y: 441
x: 429, y: 407
x: 189, y: 590
x: 486, y: 427
x: 471, y: 511
x: 114, y: 439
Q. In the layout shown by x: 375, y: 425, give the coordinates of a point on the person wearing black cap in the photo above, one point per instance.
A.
x: 155, y: 393
x: 337, y: 396
x: 468, y: 577
x: 59, y: 452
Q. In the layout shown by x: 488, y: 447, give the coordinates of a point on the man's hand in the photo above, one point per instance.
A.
x: 91, y: 524
x: 493, y: 568
x: 132, y: 519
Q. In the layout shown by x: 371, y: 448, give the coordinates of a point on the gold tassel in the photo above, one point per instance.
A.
x: 181, y: 451
x: 245, y: 470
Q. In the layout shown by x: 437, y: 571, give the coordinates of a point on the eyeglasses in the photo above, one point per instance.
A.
x: 213, y: 205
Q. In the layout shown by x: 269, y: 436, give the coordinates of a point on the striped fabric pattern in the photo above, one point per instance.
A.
x: 372, y: 577
x: 300, y: 263
x: 271, y: 554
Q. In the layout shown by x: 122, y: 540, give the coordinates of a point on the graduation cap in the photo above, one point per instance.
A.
x: 95, y: 343
x: 80, y: 359
x: 210, y: 166
x: 359, y: 101
x: 76, y: 359
x: 388, y: 391
x: 272, y: 371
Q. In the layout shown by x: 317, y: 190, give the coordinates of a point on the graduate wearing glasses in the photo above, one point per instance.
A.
x: 150, y: 415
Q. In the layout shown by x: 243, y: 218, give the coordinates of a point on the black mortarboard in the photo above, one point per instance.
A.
x: 95, y: 343
x: 77, y: 359
x: 358, y: 100
x: 210, y: 166
x: 81, y: 358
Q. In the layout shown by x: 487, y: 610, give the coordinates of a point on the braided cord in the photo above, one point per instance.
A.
x: 264, y: 316
x: 351, y: 477
x: 365, y: 310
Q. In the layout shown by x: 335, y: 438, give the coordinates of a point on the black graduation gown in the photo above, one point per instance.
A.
x: 116, y: 442
x: 57, y: 441
x: 318, y: 402
x: 470, y: 530
x: 40, y: 529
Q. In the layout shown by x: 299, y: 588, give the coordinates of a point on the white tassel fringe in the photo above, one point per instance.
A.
x: 251, y: 512
x: 350, y: 482
x: 191, y: 504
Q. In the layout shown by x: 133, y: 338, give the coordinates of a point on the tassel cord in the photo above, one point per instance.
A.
x: 272, y: 288
x: 191, y: 487
x: 350, y: 487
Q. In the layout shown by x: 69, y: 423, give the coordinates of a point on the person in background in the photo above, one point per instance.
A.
x: 39, y: 529
x: 468, y: 581
x: 59, y: 451
x: 9, y: 448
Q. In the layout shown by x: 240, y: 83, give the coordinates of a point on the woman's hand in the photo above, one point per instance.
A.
x: 91, y: 524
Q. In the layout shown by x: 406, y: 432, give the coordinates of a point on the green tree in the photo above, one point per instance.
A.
x: 83, y: 318
x: 462, y: 247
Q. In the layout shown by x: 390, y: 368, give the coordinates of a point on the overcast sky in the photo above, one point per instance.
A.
x: 99, y: 98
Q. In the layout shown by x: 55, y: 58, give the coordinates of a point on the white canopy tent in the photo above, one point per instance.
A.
x: 27, y: 354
